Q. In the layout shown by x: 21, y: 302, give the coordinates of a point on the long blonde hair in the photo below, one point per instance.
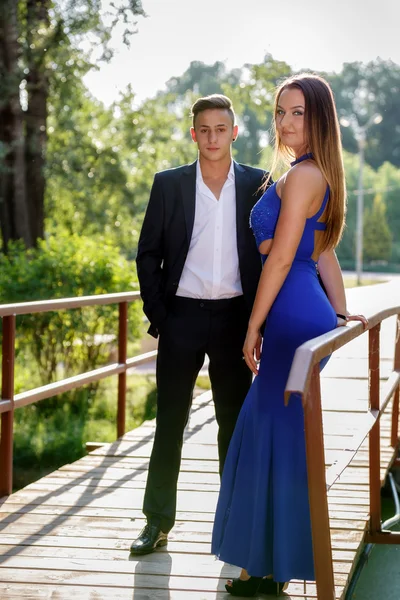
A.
x: 324, y: 141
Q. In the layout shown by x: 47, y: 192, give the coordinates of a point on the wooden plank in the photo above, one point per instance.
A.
x: 176, y: 563
x: 36, y: 542
x: 134, y: 463
x: 8, y: 509
x: 66, y: 592
x: 110, y: 475
x: 15, y: 510
x: 133, y: 526
x: 178, y: 566
x: 139, y: 581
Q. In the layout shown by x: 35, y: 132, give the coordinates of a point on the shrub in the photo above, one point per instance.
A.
x: 54, y: 345
x: 67, y: 342
x: 377, y: 235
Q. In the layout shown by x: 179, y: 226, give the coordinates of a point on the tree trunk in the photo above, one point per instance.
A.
x: 13, y: 205
x: 36, y: 117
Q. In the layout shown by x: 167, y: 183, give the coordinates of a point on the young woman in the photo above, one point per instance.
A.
x: 262, y: 522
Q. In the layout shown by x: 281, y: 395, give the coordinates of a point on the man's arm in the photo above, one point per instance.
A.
x: 150, y: 257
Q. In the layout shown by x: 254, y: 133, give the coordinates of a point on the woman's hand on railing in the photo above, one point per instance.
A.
x: 342, y: 322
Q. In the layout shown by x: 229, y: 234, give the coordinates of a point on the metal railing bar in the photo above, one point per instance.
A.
x: 375, y: 435
x: 122, y: 356
x: 5, y: 406
x: 58, y: 387
x: 346, y: 455
x: 142, y: 358
x: 24, y: 308
x: 315, y: 456
x: 389, y: 389
x: 394, y: 435
x: 65, y: 385
x: 7, y: 418
x: 313, y: 351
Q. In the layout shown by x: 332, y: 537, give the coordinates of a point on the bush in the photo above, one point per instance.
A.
x: 377, y: 235
x: 46, y: 442
x: 54, y: 345
x: 67, y: 342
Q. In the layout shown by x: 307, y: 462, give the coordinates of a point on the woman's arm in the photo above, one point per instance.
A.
x: 301, y: 187
x: 331, y: 275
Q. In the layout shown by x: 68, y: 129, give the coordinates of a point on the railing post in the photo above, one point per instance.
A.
x: 122, y: 356
x: 317, y: 492
x: 395, y: 407
x: 7, y: 418
x: 374, y: 435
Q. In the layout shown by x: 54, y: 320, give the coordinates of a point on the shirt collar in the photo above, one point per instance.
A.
x: 231, y: 173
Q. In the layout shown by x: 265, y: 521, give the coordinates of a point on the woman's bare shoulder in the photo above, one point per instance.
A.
x: 303, y: 181
x: 306, y: 172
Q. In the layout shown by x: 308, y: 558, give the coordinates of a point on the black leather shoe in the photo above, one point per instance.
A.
x: 149, y: 539
x: 244, y: 588
x: 271, y: 587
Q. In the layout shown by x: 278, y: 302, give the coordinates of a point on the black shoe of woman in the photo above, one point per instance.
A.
x: 245, y: 588
x: 271, y: 587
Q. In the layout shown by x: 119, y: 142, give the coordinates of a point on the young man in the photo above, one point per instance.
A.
x: 198, y: 268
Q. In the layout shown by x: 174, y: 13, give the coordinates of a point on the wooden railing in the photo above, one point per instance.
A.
x: 304, y: 378
x: 9, y: 402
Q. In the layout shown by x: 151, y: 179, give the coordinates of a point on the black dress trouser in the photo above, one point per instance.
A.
x: 192, y: 329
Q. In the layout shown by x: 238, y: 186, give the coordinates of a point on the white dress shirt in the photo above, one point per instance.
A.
x: 211, y: 270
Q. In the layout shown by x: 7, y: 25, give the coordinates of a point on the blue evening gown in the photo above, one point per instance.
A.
x: 262, y: 521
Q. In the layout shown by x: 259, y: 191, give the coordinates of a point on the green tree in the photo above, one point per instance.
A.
x: 101, y: 162
x: 388, y: 183
x: 199, y: 77
x: 153, y: 137
x: 87, y: 181
x: 346, y: 248
x: 377, y: 236
x: 41, y: 46
x: 253, y: 100
x: 251, y: 89
x: 364, y: 89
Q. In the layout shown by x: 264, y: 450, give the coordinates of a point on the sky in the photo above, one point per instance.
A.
x: 312, y: 34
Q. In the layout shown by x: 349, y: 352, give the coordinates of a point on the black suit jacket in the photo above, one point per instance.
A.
x: 167, y: 229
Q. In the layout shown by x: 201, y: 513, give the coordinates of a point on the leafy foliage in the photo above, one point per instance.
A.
x: 65, y: 343
x: 388, y: 184
x: 48, y: 45
x: 365, y: 89
x: 377, y: 236
x: 44, y: 442
x: 346, y: 249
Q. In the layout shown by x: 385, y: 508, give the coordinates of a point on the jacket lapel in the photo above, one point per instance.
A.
x: 243, y: 203
x: 188, y: 191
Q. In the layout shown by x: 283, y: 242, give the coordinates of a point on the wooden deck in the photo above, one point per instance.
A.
x: 67, y: 535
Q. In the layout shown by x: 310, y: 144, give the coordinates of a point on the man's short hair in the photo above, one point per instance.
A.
x: 210, y: 102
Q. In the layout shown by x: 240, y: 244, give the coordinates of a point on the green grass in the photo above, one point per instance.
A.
x: 203, y: 382
x: 53, y: 432
x: 351, y: 282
